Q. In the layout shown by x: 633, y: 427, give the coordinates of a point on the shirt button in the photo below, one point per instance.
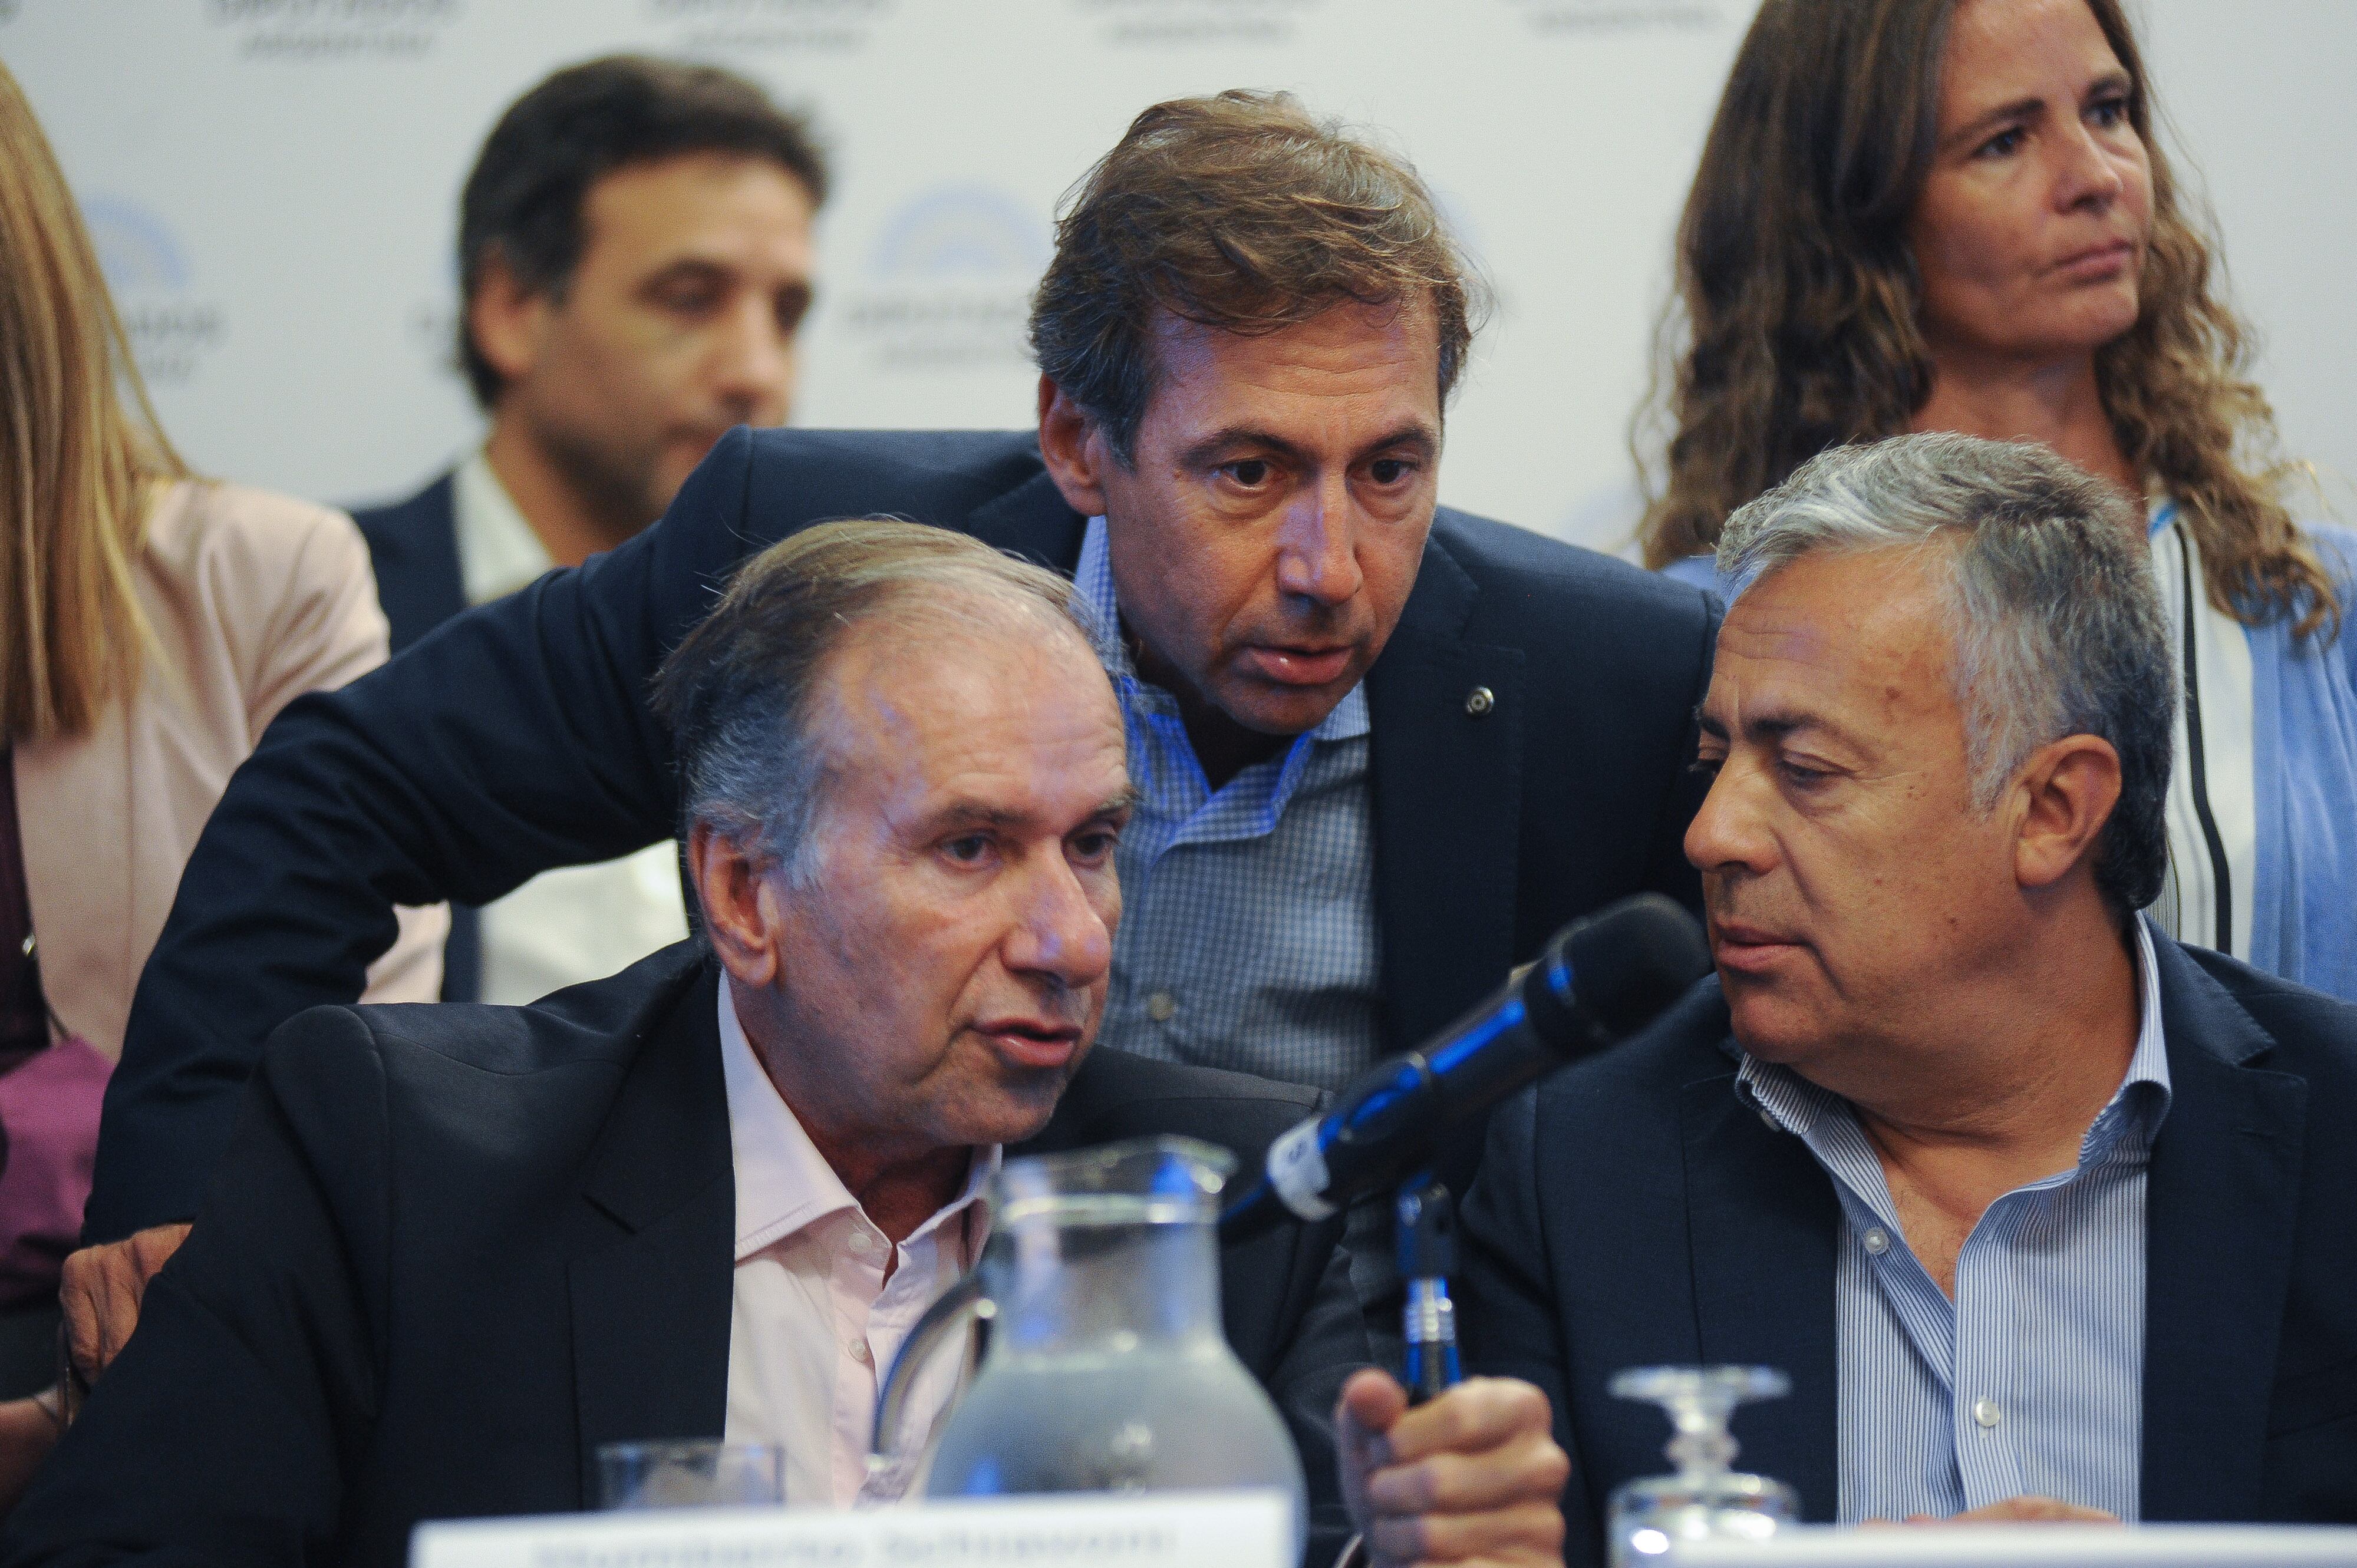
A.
x: 862, y: 1244
x: 860, y: 1353
x: 1160, y: 1007
x: 1985, y: 1411
x: 1877, y: 1242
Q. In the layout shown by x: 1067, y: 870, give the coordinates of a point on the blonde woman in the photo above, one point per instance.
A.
x: 151, y: 625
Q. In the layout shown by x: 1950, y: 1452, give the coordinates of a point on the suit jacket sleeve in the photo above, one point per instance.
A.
x: 1507, y: 1324
x: 325, y: 631
x: 514, y: 738
x: 226, y: 1429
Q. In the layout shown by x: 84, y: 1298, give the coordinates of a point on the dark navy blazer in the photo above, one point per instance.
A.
x: 451, y: 1251
x: 414, y: 545
x: 516, y: 738
x: 1633, y: 1212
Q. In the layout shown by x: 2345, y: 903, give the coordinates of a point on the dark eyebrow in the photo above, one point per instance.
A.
x: 701, y: 268
x: 1981, y: 124
x: 2116, y: 80
x: 1422, y: 440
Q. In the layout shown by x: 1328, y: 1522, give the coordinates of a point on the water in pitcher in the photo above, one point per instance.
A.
x: 1107, y: 1369
x: 1154, y: 1422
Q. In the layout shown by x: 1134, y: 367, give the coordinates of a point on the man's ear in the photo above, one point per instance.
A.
x: 2067, y: 791
x: 740, y: 907
x: 505, y: 321
x: 1073, y: 444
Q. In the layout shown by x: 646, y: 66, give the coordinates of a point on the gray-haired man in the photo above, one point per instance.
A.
x: 2044, y: 1214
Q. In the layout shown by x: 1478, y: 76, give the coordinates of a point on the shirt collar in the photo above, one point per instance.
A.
x: 2150, y: 1064
x: 498, y: 551
x: 1093, y: 580
x: 1791, y: 1104
x: 783, y: 1184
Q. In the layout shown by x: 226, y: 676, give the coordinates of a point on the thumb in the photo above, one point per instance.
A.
x: 1372, y: 1401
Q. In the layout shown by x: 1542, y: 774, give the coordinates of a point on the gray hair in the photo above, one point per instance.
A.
x: 740, y: 692
x: 2058, y: 627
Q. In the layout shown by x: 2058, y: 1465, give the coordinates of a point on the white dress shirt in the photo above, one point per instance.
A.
x: 579, y: 922
x: 816, y: 1322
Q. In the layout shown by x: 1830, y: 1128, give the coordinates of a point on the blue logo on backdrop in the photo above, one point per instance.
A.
x: 135, y: 249
x: 172, y: 330
x: 948, y: 281
x: 960, y: 231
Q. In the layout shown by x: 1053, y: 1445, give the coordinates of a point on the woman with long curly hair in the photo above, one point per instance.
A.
x: 1916, y: 215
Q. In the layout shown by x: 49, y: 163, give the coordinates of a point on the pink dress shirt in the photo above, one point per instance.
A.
x: 815, y: 1324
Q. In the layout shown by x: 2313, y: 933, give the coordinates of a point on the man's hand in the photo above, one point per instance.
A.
x: 102, y: 1290
x: 1473, y: 1477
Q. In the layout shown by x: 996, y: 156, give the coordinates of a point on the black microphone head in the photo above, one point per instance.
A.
x: 1624, y: 965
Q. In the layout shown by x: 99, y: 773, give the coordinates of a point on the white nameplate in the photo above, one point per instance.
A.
x: 2029, y: 1546
x: 1159, y: 1530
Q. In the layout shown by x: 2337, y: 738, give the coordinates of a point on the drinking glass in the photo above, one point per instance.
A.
x: 1704, y: 1500
x: 695, y: 1474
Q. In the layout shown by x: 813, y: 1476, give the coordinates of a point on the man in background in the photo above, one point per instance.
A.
x: 634, y: 263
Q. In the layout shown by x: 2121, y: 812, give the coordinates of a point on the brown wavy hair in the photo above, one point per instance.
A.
x: 1797, y: 304
x: 1243, y: 212
x: 78, y: 468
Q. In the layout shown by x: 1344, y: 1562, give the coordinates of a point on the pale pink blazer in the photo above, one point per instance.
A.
x: 255, y: 599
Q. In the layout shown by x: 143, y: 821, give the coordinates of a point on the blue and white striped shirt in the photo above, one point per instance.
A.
x: 2032, y: 1381
x: 1247, y: 937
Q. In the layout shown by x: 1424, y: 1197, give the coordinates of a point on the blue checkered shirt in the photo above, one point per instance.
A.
x: 1247, y: 937
x: 2030, y: 1382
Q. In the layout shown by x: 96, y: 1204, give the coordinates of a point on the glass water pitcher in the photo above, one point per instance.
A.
x: 1107, y: 1368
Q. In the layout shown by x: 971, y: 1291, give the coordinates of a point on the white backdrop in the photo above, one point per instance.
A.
x: 273, y: 184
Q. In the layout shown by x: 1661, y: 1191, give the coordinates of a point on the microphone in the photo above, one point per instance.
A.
x: 1601, y: 978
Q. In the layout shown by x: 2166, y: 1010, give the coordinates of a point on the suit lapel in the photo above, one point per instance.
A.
x: 2219, y: 1230
x: 443, y: 576
x: 1446, y: 772
x: 652, y: 1287
x: 1763, y: 1225
x: 414, y: 549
